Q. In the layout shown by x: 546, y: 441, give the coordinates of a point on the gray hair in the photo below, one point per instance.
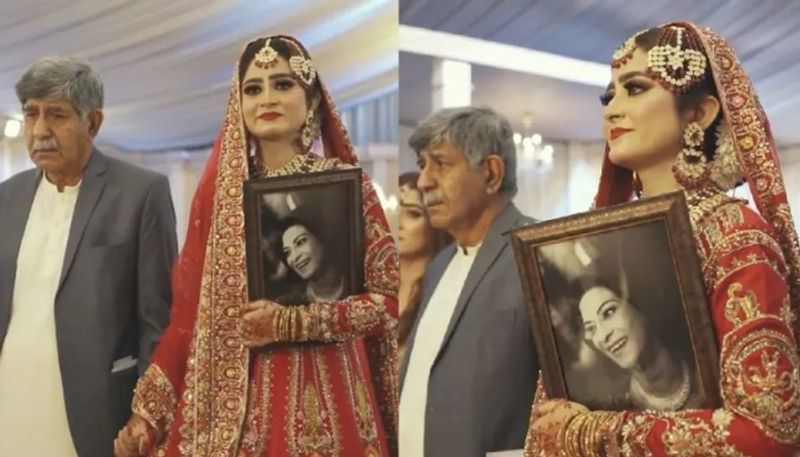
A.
x: 62, y: 77
x: 476, y: 132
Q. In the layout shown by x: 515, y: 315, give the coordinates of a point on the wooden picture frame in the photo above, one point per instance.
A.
x: 583, y: 276
x: 304, y: 230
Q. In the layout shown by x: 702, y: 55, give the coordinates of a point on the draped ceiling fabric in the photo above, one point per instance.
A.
x: 764, y: 35
x: 167, y: 65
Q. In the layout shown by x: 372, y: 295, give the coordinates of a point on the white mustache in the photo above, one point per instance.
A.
x: 431, y: 198
x: 46, y: 144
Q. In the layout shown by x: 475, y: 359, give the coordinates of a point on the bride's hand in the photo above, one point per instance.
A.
x: 258, y: 323
x: 137, y: 438
x: 550, y: 417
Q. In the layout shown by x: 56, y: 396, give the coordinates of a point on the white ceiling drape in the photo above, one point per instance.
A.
x: 764, y: 34
x: 167, y: 64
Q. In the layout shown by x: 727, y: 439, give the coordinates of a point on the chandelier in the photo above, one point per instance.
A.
x: 532, y: 152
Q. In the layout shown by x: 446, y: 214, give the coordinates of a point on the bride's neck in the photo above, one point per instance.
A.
x: 276, y: 154
x: 658, y: 179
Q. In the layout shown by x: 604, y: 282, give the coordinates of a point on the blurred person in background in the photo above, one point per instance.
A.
x: 418, y: 243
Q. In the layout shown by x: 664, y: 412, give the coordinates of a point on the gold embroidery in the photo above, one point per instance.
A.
x: 314, y: 437
x: 689, y: 437
x: 358, y: 394
x: 634, y: 434
x: 737, y: 264
x: 257, y: 423
x: 742, y: 307
x: 747, y: 123
x: 214, y: 406
x: 715, y: 269
x: 787, y: 313
x: 154, y: 398
x: 312, y: 425
x: 760, y: 376
x: 382, y: 355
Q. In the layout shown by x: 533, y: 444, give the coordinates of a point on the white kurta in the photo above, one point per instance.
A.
x: 33, y: 417
x: 427, y: 343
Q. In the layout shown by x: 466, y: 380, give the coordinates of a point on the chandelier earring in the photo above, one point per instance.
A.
x: 690, y: 169
x: 637, y: 185
x: 311, y: 130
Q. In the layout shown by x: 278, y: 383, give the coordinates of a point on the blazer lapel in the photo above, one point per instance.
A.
x: 13, y: 229
x: 493, y: 244
x: 92, y: 187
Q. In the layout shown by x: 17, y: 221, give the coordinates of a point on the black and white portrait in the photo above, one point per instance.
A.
x: 619, y: 322
x: 306, y: 250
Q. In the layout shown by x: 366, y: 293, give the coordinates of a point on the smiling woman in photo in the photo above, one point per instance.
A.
x: 309, y: 256
x: 616, y: 328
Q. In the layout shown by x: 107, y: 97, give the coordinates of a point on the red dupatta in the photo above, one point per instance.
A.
x: 210, y: 287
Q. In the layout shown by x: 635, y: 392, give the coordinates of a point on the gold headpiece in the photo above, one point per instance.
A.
x: 676, y: 60
x: 303, y: 69
x: 625, y: 51
x: 266, y: 57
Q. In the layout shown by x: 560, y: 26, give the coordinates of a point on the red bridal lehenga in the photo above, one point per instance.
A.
x: 333, y: 391
x: 751, y: 264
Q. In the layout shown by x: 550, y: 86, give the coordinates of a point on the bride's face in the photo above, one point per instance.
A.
x: 640, y: 118
x: 273, y: 102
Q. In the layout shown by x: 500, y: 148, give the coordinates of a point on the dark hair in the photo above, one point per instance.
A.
x: 440, y: 240
x: 291, y: 221
x: 285, y: 49
x: 691, y: 98
x: 663, y: 324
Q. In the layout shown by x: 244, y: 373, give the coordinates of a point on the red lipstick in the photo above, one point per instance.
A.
x: 617, y: 132
x: 270, y: 116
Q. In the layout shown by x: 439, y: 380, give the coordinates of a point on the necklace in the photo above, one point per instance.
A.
x: 704, y: 201
x: 647, y: 400
x: 301, y: 163
x: 318, y: 298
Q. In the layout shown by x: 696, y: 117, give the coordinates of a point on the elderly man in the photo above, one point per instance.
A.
x: 470, y: 372
x: 86, y: 247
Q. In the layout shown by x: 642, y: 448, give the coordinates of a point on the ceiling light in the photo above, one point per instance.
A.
x: 13, y: 128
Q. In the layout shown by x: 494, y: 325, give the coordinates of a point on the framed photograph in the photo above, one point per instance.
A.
x: 305, y: 241
x: 618, y: 309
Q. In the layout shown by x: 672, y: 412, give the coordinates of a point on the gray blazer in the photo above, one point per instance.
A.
x: 482, y: 381
x: 114, y: 296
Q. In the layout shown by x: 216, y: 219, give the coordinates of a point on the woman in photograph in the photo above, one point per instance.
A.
x: 216, y: 385
x: 652, y: 351
x: 681, y: 114
x: 417, y: 243
x: 283, y: 286
x: 312, y: 259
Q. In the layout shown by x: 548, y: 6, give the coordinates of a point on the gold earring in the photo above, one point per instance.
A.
x: 637, y: 185
x: 690, y: 167
x: 310, y: 131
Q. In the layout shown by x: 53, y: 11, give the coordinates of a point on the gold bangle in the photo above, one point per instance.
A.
x: 562, y: 437
x: 294, y: 324
x: 276, y: 324
x: 573, y: 435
